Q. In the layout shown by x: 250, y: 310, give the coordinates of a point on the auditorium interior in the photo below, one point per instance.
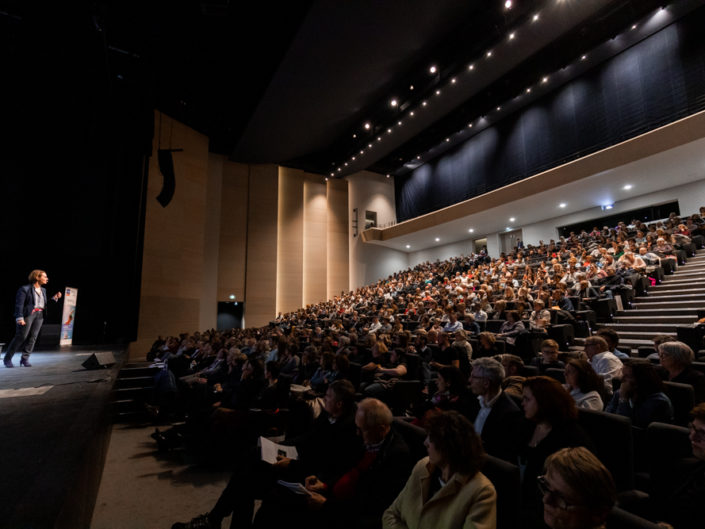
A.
x: 268, y: 180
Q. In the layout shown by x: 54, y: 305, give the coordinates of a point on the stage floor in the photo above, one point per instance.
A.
x: 54, y: 426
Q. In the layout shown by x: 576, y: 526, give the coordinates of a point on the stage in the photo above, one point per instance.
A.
x: 55, y: 422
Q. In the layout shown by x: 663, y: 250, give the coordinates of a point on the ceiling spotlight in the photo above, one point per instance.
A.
x: 438, y: 239
x: 627, y: 187
x: 362, y: 151
x: 634, y: 26
x: 340, y: 169
x: 544, y: 80
x: 438, y: 92
x: 353, y: 158
x: 423, y: 104
x: 418, y: 157
x: 408, y: 246
x: 411, y: 87
x: 471, y: 230
x: 512, y: 219
x: 367, y: 126
x: 488, y: 54
x: 452, y: 81
x: 379, y: 138
x: 535, y: 17
x: 393, y: 102
x: 369, y: 145
x: 332, y: 174
x: 354, y: 135
x: 345, y: 164
x: 447, y: 139
x: 583, y: 57
x: 528, y: 90
x: 399, y: 123
x: 508, y: 228
x: 499, y: 108
x: 471, y: 67
x: 607, y: 206
x: 469, y: 125
x: 433, y: 69
x: 389, y: 131
x: 562, y: 205
x: 387, y: 176
x: 511, y: 36
x: 508, y: 4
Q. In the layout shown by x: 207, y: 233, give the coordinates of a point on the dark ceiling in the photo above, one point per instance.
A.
x: 293, y: 82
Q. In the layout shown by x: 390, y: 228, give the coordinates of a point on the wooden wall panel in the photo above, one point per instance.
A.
x: 315, y: 225
x: 338, y: 268
x: 232, y: 257
x: 261, y: 280
x: 290, y: 243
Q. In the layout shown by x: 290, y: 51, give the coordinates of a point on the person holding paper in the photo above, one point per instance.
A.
x: 328, y: 449
x: 30, y: 304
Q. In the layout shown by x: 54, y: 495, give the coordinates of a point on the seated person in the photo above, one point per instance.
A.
x: 540, y: 317
x: 548, y: 358
x: 359, y: 497
x: 577, y: 490
x: 328, y: 450
x: 513, y: 382
x: 511, y: 328
x: 603, y: 361
x: 676, y: 360
x: 385, y: 374
x: 612, y: 339
x: 641, y: 396
x: 560, y: 301
x: 488, y: 347
x: 584, y: 385
x: 446, y: 488
x: 495, y: 415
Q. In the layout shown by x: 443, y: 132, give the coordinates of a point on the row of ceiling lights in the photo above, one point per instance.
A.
x: 433, y: 69
x: 562, y: 205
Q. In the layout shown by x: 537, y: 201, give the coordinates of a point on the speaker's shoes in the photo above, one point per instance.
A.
x: 25, y: 363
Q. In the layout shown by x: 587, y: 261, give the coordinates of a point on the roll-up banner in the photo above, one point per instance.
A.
x: 69, y: 316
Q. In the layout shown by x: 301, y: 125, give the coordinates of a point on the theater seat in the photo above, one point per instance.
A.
x: 621, y: 519
x: 612, y: 435
x: 683, y: 399
x: 556, y: 373
x: 505, y: 478
x: 413, y: 435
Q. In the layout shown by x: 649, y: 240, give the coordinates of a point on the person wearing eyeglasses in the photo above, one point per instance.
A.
x: 577, y: 490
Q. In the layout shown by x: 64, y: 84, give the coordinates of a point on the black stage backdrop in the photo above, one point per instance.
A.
x: 657, y: 81
x: 72, y: 171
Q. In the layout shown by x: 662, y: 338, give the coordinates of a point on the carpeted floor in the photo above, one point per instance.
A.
x: 144, y: 489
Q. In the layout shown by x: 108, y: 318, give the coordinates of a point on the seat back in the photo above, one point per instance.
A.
x: 556, y: 373
x: 612, y: 435
x: 413, y: 435
x: 405, y: 393
x: 683, y: 399
x: 621, y: 519
x: 505, y: 478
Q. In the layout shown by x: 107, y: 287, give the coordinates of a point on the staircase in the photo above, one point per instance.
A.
x: 674, y: 302
x: 132, y: 389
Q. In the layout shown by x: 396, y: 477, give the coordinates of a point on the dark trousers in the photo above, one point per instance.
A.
x: 25, y: 336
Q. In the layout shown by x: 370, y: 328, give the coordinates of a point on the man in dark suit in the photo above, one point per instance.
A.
x: 495, y: 415
x: 30, y: 304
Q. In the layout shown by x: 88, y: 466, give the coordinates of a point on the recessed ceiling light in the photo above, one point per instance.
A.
x: 447, y: 139
x: 471, y: 67
x: 544, y: 80
x: 452, y: 81
x: 345, y: 164
x: 399, y: 123
x: 367, y: 126
x: 433, y: 69
x: 528, y: 90
x: 438, y: 92
x: 469, y: 125
x: 353, y: 158
x: 389, y: 131
x: 627, y: 187
x: 562, y: 205
x: 499, y: 108
x: 583, y: 57
x: 418, y: 157
x: 393, y: 102
x: 411, y: 87
x: 488, y: 54
x: 327, y: 177
x: 508, y: 228
x: 535, y: 17
x: 332, y: 174
x: 438, y: 239
x: 512, y: 35
x: 354, y: 135
x: 408, y: 246
x: 369, y: 145
x: 471, y: 230
x: 512, y: 219
x: 508, y: 4
x: 411, y: 113
x: 340, y: 169
x: 379, y: 138
x: 423, y: 104
x: 387, y: 176
x: 634, y: 26
x: 362, y: 151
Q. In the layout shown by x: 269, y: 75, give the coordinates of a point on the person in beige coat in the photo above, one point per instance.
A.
x: 446, y: 490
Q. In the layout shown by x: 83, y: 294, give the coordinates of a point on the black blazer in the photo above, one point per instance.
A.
x: 500, y: 433
x: 24, y: 301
